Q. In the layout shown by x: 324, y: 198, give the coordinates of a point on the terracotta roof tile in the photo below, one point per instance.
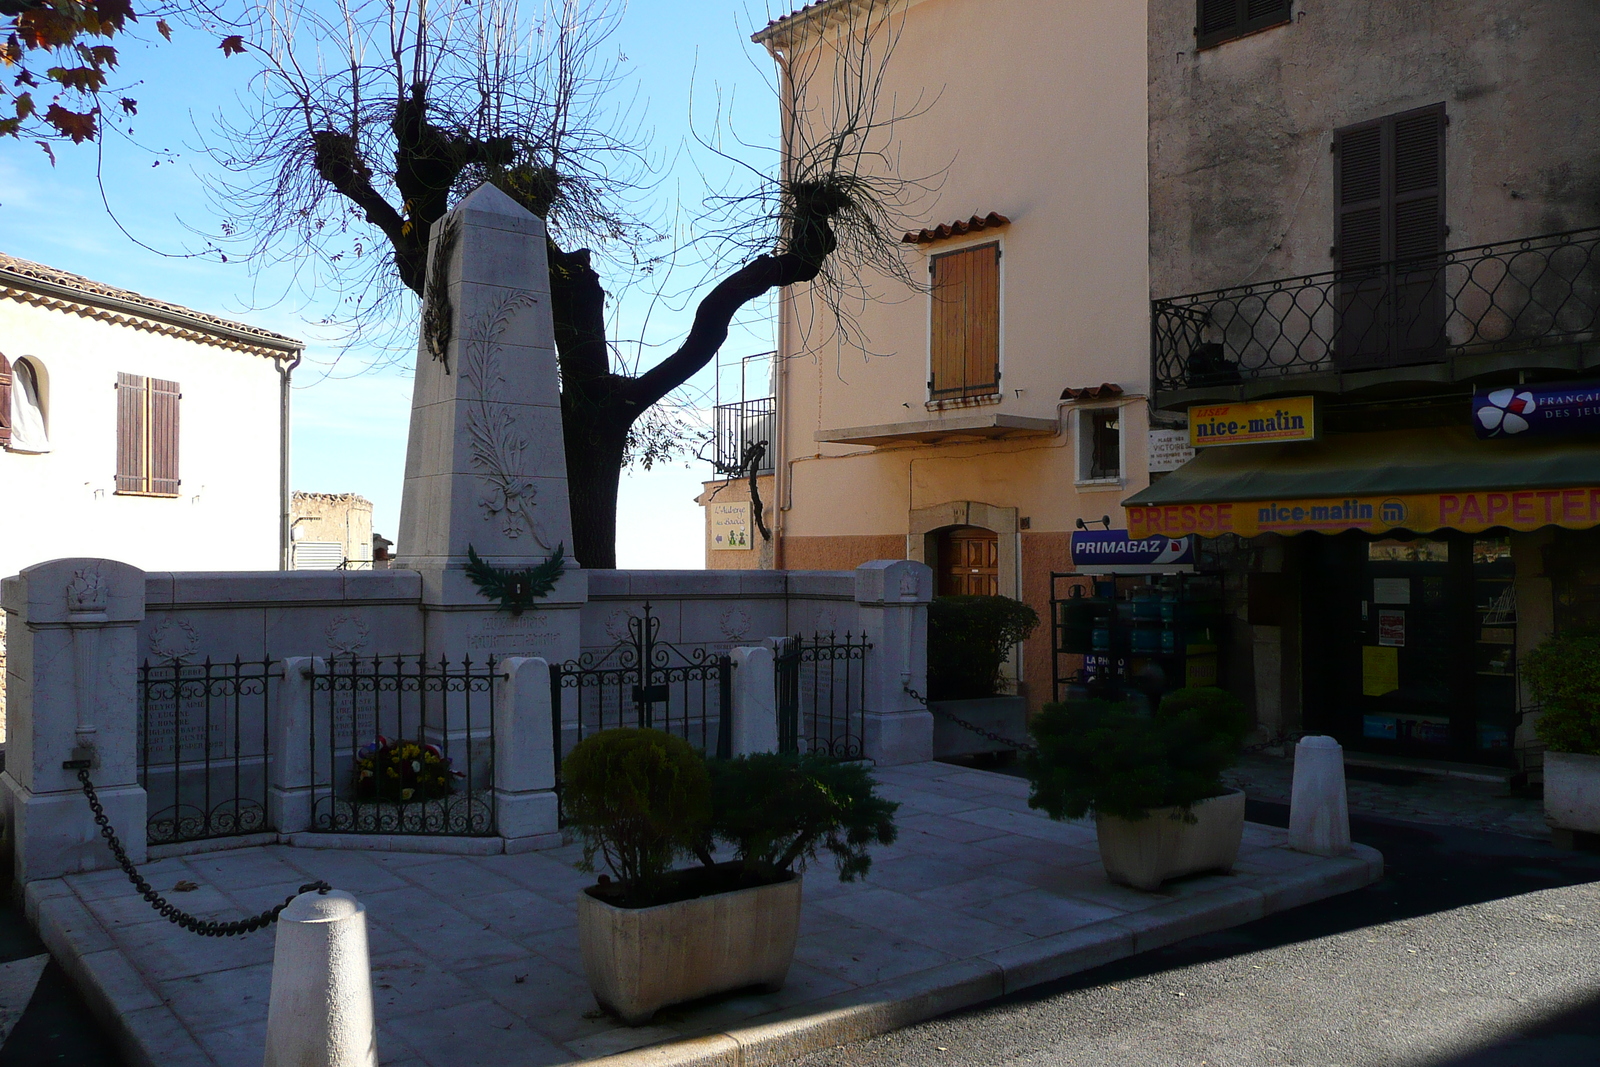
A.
x: 17, y: 273
x: 976, y: 224
x: 789, y: 21
x: 1103, y: 391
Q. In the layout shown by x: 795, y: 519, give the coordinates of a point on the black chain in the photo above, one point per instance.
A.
x: 203, y: 927
x: 998, y: 739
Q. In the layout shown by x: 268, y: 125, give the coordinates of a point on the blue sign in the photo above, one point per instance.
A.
x: 1537, y: 410
x: 1115, y: 550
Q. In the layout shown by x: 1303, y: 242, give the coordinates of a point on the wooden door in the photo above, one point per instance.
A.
x: 969, y: 562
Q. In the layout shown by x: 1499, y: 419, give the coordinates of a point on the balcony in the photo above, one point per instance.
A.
x: 738, y: 427
x: 1408, y: 325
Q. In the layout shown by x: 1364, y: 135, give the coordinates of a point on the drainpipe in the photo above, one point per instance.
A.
x: 284, y: 374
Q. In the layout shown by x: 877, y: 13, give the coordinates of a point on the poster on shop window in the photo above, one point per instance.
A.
x: 1392, y: 629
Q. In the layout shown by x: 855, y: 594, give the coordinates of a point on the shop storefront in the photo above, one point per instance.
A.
x: 1421, y: 566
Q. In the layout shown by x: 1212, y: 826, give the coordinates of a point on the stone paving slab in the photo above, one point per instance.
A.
x: 475, y: 958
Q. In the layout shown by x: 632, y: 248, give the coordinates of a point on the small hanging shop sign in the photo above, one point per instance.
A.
x: 1292, y: 418
x: 1114, y: 552
x: 1537, y: 410
x: 730, y: 525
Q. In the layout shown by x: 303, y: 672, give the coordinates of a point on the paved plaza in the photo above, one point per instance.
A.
x: 475, y: 958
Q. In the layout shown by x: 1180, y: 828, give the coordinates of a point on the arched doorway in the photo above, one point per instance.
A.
x: 969, y: 561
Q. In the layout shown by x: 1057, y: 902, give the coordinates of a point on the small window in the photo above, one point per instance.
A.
x: 1217, y: 21
x: 1100, y: 445
x: 964, y: 334
x: 23, y: 425
x: 147, y: 436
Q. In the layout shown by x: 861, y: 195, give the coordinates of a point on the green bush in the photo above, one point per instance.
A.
x: 1564, y: 673
x: 777, y: 811
x: 1109, y: 759
x: 969, y: 637
x: 640, y: 798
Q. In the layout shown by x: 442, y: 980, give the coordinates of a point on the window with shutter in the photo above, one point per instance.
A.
x: 964, y: 332
x: 5, y: 401
x: 1388, y: 226
x: 147, y: 436
x: 1217, y: 21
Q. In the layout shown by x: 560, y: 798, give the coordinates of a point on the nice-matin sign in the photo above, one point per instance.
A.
x: 1289, y: 419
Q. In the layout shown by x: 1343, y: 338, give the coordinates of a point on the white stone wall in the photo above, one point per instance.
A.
x: 63, y: 503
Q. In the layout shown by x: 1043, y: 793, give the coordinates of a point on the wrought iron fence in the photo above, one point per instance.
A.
x: 644, y: 681
x: 204, y: 747
x: 822, y: 690
x: 738, y: 426
x: 1535, y: 292
x: 400, y: 745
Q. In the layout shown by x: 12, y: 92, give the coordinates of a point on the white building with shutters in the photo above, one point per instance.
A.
x: 135, y: 429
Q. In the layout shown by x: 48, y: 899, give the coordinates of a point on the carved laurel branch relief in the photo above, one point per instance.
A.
x: 499, y: 443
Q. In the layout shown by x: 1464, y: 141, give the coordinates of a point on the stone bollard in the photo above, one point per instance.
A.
x: 320, y: 1013
x: 1319, y: 813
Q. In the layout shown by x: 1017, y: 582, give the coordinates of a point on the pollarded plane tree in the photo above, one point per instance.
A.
x: 372, y: 117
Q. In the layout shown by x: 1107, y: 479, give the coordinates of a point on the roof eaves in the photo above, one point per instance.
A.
x: 28, y: 277
x: 958, y: 228
x: 779, y: 31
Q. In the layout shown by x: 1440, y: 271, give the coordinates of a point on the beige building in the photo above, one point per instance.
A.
x: 970, y: 424
x: 330, y: 531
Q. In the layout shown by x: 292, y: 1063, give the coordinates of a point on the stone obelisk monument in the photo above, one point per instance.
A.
x: 485, y: 464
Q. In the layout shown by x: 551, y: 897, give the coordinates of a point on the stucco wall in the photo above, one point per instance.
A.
x: 62, y: 503
x: 1241, y: 175
x: 340, y: 517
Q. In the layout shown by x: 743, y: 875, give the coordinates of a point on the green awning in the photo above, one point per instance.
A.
x: 1393, y: 463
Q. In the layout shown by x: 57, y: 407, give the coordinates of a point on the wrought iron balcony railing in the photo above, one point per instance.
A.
x: 739, y: 427
x: 1533, y: 293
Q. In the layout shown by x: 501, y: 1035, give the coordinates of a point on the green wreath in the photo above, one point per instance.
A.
x: 515, y: 590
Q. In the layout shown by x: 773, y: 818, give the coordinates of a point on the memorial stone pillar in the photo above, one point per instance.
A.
x: 893, y: 596
x: 485, y: 463
x: 72, y: 693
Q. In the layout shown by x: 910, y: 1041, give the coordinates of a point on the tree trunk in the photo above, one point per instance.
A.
x: 595, y: 445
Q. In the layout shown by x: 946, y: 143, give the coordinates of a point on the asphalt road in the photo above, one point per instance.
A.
x: 1476, y: 950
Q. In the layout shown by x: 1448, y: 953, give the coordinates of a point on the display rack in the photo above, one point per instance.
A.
x: 1151, y: 633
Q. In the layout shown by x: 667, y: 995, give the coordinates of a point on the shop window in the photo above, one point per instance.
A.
x: 1100, y: 445
x: 24, y: 426
x: 147, y: 436
x: 964, y: 332
x: 1217, y: 21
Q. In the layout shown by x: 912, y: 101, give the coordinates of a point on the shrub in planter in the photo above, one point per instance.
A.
x: 641, y: 799
x: 1126, y: 766
x: 969, y: 637
x: 778, y: 812
x: 1564, y: 673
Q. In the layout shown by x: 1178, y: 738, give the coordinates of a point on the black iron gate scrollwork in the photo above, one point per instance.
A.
x: 643, y: 681
x: 822, y: 688
x: 204, y: 748
x: 402, y: 745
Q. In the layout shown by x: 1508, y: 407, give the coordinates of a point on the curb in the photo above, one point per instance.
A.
x: 879, y: 1009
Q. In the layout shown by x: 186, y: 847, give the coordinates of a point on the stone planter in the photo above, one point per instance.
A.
x: 1006, y: 716
x: 1572, y: 793
x: 640, y: 959
x: 1146, y: 852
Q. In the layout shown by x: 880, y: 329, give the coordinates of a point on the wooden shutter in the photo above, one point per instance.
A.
x: 965, y: 329
x: 164, y: 437
x: 1389, y: 197
x: 5, y: 401
x: 132, y: 419
x: 1223, y: 20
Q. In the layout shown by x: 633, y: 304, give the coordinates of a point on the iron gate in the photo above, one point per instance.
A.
x: 643, y: 681
x: 822, y: 689
x: 400, y: 745
x: 204, y: 747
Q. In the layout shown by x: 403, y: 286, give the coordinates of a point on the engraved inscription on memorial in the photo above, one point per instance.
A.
x: 533, y: 633
x: 176, y: 729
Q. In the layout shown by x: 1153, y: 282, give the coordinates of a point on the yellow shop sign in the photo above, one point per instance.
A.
x: 1289, y: 419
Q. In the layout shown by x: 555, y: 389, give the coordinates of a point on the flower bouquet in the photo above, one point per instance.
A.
x: 403, y: 771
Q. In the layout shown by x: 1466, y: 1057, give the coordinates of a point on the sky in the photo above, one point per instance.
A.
x: 684, y: 58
